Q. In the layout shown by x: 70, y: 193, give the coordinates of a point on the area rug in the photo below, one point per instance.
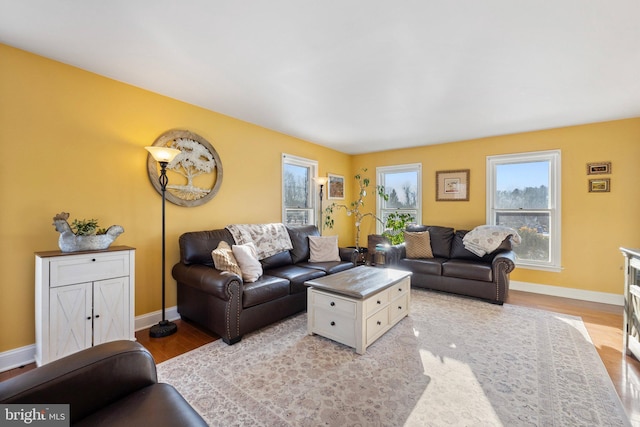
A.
x: 453, y: 362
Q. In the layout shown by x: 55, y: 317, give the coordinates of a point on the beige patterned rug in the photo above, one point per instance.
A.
x: 452, y: 362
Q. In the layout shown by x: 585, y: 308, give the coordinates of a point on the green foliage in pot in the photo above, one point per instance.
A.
x: 395, y: 225
x: 86, y: 227
x: 353, y: 209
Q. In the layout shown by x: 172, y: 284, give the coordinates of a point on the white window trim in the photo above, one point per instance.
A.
x: 301, y: 161
x: 555, y: 200
x: 410, y: 167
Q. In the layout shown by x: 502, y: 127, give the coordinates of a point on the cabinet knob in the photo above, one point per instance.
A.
x: 93, y: 259
x: 399, y: 289
x: 378, y: 302
x: 332, y: 304
x: 89, y: 318
x: 97, y: 315
x: 379, y: 322
x: 399, y: 307
x: 333, y: 323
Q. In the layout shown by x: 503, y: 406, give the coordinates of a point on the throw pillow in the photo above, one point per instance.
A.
x: 324, y: 248
x: 224, y: 260
x: 247, y: 256
x: 418, y: 244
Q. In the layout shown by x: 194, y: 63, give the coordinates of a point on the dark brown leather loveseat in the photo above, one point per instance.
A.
x: 454, y: 269
x: 111, y: 384
x: 223, y: 303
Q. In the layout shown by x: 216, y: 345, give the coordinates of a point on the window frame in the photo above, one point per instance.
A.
x: 381, y: 172
x: 554, y: 207
x: 313, y: 175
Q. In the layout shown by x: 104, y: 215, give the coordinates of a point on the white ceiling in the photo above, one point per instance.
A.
x: 357, y: 75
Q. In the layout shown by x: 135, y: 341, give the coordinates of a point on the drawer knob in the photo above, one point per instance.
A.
x: 379, y: 302
x: 399, y: 289
x: 97, y: 315
x: 332, y: 304
x: 93, y: 259
x: 379, y: 322
x: 399, y: 307
x: 333, y: 323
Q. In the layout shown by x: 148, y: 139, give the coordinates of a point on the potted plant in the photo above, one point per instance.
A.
x: 83, y: 235
x: 354, y: 208
x: 395, y: 225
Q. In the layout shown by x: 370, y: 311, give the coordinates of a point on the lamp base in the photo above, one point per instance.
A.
x: 163, y: 329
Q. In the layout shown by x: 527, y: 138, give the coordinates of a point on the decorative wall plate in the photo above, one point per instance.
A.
x: 195, y: 175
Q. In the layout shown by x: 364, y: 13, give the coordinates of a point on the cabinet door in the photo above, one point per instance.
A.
x: 71, y: 319
x: 111, y: 310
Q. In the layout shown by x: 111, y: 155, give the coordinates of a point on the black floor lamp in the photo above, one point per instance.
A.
x: 163, y: 155
x: 321, y: 181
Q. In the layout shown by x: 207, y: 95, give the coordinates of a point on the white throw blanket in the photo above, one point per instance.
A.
x: 485, y: 239
x: 270, y: 239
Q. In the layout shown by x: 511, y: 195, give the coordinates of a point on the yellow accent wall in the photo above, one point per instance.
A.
x: 594, y: 225
x: 73, y: 142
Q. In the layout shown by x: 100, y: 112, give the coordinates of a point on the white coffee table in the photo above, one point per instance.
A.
x: 357, y: 306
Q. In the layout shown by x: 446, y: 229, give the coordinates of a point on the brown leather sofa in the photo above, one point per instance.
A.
x: 454, y: 269
x: 224, y: 304
x: 111, y: 384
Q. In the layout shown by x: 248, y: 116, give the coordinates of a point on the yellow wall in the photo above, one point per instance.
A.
x: 74, y: 142
x: 594, y: 225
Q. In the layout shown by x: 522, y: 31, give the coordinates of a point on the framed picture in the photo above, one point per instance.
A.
x: 336, y: 186
x: 599, y: 185
x: 600, y: 168
x: 452, y: 185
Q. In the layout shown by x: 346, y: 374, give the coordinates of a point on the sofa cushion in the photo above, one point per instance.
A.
x: 247, y: 257
x: 277, y: 260
x: 323, y: 248
x: 224, y: 260
x: 299, y: 239
x: 196, y: 246
x: 418, y: 244
x: 266, y: 288
x: 296, y: 275
x: 431, y: 266
x: 441, y: 238
x: 464, y: 269
x: 328, y: 267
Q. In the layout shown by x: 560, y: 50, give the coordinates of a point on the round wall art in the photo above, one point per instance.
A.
x: 195, y: 175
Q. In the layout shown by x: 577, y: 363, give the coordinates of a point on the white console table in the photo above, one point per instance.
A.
x: 631, y: 327
x: 83, y: 299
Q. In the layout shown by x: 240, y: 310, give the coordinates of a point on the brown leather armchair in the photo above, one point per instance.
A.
x: 111, y: 384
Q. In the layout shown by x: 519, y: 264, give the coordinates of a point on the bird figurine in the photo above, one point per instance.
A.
x: 71, y: 242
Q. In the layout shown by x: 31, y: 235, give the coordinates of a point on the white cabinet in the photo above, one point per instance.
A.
x: 83, y: 299
x: 631, y: 327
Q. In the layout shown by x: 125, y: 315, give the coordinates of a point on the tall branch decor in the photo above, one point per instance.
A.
x: 354, y: 208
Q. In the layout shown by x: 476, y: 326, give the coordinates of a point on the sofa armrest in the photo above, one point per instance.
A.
x: 207, y: 279
x: 87, y: 380
x: 348, y: 254
x: 395, y: 253
x: 504, y: 262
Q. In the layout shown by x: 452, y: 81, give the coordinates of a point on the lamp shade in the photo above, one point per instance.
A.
x: 321, y: 180
x: 163, y: 154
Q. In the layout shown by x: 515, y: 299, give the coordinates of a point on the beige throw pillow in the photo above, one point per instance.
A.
x: 418, y: 244
x: 224, y: 260
x: 247, y: 257
x: 324, y: 248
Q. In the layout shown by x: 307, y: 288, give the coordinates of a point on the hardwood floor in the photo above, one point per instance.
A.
x: 603, y: 322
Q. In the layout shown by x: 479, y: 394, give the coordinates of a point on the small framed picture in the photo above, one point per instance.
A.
x: 335, y: 186
x: 452, y: 185
x: 599, y: 185
x: 600, y: 168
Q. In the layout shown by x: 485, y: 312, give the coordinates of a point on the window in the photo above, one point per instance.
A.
x: 523, y: 192
x: 403, y: 185
x: 298, y: 197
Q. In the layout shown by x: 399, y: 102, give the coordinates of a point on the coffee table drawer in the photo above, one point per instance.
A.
x: 399, y: 307
x: 400, y: 288
x: 377, y: 324
x: 376, y: 302
x: 334, y: 326
x: 333, y: 303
